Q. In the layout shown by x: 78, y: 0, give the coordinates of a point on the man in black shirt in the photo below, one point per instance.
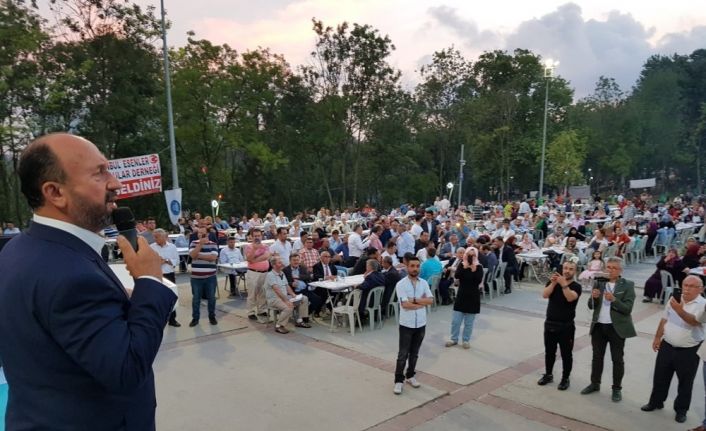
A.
x: 563, y: 293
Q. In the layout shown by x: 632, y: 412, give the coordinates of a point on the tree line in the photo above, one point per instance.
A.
x: 341, y: 130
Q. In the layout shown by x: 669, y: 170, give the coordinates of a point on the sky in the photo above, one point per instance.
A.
x: 588, y: 38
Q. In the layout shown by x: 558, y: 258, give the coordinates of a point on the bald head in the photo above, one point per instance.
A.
x: 66, y: 177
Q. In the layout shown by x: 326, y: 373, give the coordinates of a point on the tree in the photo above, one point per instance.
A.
x: 565, y: 158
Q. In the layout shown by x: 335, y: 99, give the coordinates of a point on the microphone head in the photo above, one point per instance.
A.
x: 123, y: 218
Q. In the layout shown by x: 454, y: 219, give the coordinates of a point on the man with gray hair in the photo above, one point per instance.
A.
x: 611, y: 325
x: 371, y: 278
x: 279, y: 296
x: 679, y: 335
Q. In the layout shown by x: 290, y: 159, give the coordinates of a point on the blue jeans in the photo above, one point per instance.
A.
x: 203, y: 287
x: 467, y: 319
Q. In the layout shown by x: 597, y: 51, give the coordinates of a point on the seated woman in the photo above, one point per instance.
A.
x: 670, y: 262
x: 574, y: 233
x: 621, y: 239
x: 691, y: 257
x: 599, y: 242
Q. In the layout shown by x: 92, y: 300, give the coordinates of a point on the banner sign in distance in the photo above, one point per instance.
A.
x: 140, y: 175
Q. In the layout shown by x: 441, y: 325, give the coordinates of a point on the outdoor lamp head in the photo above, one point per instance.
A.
x: 450, y: 185
x: 214, y: 203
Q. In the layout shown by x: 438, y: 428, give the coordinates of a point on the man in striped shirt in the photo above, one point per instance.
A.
x: 204, y: 258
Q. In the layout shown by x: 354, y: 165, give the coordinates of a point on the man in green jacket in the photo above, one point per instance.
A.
x: 611, y: 324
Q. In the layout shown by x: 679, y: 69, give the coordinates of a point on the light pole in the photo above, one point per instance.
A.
x: 450, y: 186
x: 461, y: 163
x: 549, y: 66
x: 170, y: 115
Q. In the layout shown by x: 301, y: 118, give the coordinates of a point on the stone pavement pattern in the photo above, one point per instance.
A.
x: 243, y: 375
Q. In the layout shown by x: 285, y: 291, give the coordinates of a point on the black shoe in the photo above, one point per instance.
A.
x: 680, y: 417
x: 590, y: 389
x: 174, y: 323
x: 252, y: 317
x: 564, y: 384
x: 546, y: 378
x: 507, y: 291
x: 651, y: 407
x: 617, y: 396
x: 213, y: 320
x: 193, y: 323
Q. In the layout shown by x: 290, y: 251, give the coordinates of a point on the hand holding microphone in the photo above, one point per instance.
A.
x: 144, y: 262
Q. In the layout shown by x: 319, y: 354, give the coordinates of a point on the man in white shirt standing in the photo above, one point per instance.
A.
x: 282, y: 247
x: 417, y: 228
x: 405, y: 241
x: 170, y: 258
x: 678, y: 337
x: 414, y: 295
x: 231, y: 254
x: 356, y: 245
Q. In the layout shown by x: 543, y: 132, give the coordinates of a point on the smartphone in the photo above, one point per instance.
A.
x: 676, y: 294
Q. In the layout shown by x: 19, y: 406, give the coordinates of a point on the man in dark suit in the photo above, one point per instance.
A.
x: 506, y: 254
x: 324, y: 268
x: 392, y: 276
x: 429, y: 224
x: 77, y: 347
x: 298, y: 278
x: 611, y: 325
x: 372, y: 278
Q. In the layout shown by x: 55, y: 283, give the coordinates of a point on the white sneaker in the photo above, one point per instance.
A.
x: 413, y: 381
x: 398, y: 388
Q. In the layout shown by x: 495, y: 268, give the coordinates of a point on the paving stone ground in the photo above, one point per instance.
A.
x: 243, y: 375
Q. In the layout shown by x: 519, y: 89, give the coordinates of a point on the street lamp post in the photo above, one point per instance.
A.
x: 549, y: 66
x: 170, y: 115
x: 450, y: 186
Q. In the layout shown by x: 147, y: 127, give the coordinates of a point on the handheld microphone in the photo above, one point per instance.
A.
x: 125, y: 223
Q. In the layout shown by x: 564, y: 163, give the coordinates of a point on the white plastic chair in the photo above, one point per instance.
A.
x: 667, y: 285
x: 434, y: 287
x: 393, y: 306
x: 499, y: 278
x: 373, y: 306
x: 350, y: 309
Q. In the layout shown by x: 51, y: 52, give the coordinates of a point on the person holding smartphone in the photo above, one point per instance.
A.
x: 611, y: 325
x: 679, y: 335
x: 563, y: 293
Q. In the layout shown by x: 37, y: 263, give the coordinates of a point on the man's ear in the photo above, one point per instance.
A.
x: 54, y: 194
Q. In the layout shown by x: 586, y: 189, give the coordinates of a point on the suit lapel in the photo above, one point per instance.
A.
x: 51, y: 234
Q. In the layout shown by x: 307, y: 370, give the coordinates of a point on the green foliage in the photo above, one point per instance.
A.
x: 340, y: 131
x: 565, y: 159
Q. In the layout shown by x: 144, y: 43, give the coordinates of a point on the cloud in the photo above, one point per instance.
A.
x: 683, y: 43
x: 615, y: 46
x: 466, y: 29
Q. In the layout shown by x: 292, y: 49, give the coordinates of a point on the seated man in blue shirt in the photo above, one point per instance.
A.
x: 431, y: 267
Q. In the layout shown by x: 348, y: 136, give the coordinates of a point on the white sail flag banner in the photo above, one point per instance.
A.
x: 173, y: 198
x: 644, y: 183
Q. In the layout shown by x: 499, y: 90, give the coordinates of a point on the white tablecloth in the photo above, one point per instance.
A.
x: 345, y: 283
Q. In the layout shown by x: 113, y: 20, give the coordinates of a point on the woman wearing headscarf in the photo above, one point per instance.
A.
x: 467, y: 303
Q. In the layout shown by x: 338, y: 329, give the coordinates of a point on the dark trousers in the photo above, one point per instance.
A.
x: 315, y: 301
x: 509, y: 273
x: 683, y: 361
x: 171, y: 277
x: 601, y: 336
x: 444, y: 287
x: 410, y: 342
x: 559, y: 334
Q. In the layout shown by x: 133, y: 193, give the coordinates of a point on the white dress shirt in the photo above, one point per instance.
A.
x: 168, y: 252
x: 283, y: 250
x: 406, y: 290
x: 677, y: 332
x: 231, y: 255
x: 356, y: 245
x: 416, y: 230
x: 604, y: 315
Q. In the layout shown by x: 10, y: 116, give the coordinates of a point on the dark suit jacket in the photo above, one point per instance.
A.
x: 508, y: 255
x: 433, y: 236
x: 77, y: 352
x: 318, y: 270
x: 620, y: 309
x: 303, y: 274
